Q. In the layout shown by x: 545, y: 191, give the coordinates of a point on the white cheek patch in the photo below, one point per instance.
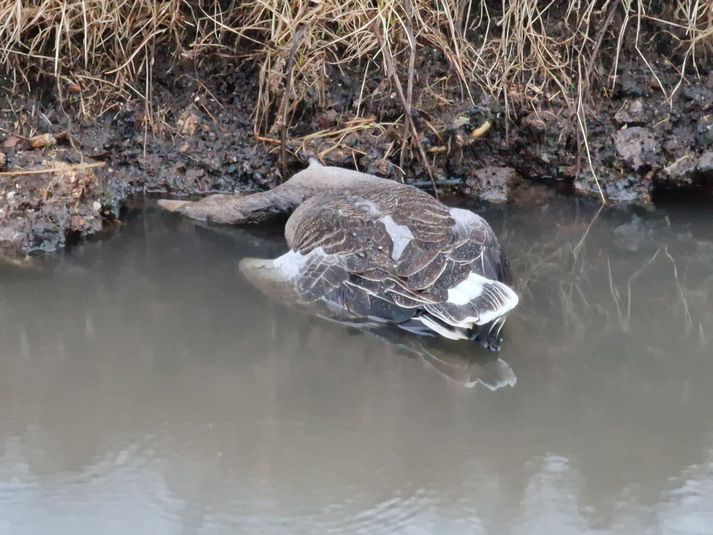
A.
x: 400, y: 235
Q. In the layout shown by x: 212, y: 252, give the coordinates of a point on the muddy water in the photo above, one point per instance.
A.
x: 145, y: 388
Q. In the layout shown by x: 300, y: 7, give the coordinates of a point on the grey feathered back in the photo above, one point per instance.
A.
x: 369, y: 249
x: 377, y: 275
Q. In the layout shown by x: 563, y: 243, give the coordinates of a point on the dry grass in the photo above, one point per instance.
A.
x: 96, y: 50
x: 525, y: 53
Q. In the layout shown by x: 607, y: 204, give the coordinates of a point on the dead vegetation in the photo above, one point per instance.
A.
x: 524, y: 53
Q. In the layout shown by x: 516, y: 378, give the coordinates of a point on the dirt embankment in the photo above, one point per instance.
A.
x: 65, y: 173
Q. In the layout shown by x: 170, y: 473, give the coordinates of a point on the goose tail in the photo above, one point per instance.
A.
x: 476, y: 309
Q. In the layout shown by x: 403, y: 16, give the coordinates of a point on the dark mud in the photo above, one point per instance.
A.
x: 196, y: 137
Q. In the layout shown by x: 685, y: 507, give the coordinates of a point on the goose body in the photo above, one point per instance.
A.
x: 375, y: 250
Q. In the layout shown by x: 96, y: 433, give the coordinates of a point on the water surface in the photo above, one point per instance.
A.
x: 146, y: 388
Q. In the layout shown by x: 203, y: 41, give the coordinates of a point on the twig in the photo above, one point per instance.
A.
x: 354, y: 125
x: 60, y: 169
x: 681, y: 293
x: 389, y: 62
x: 408, y: 24
x: 635, y: 275
x: 361, y: 90
x: 598, y: 44
x: 284, y: 105
x: 270, y: 140
x: 580, y: 243
x: 433, y: 183
x: 581, y: 120
x: 583, y: 95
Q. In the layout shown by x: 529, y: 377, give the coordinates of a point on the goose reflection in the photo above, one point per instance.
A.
x: 455, y: 361
x: 459, y: 362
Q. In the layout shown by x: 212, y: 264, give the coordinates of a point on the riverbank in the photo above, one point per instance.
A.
x: 627, y: 127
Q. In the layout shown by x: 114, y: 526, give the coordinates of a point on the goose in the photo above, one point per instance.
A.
x: 368, y: 249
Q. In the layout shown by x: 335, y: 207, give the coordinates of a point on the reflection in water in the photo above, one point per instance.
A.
x: 463, y: 363
x: 491, y: 372
x: 145, y: 388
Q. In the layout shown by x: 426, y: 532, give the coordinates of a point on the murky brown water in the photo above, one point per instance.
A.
x: 145, y: 388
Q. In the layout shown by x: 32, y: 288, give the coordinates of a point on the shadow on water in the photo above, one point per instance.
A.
x: 145, y: 387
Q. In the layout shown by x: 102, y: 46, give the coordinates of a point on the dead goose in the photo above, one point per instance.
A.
x: 364, y: 248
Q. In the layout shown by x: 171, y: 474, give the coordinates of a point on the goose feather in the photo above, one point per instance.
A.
x: 389, y: 252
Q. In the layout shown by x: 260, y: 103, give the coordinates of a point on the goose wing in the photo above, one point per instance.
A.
x: 396, y: 254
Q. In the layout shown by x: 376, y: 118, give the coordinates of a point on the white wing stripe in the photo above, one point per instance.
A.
x: 452, y: 334
x: 467, y: 290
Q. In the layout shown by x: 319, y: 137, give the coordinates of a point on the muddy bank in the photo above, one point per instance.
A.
x: 199, y: 144
x: 65, y: 178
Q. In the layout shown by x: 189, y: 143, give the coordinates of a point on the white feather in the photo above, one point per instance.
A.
x: 472, y: 287
x: 452, y: 334
x: 467, y: 290
x: 289, y: 264
x: 400, y: 235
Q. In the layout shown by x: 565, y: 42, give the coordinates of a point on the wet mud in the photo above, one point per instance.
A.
x: 64, y: 177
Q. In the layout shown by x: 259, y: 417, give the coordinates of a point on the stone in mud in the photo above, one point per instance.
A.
x: 699, y: 97
x: 492, y: 183
x: 680, y: 172
x: 10, y: 238
x: 327, y: 119
x: 381, y: 167
x: 633, y: 113
x: 535, y: 122
x: 12, y: 242
x: 339, y: 157
x: 631, y: 83
x: 705, y: 130
x: 704, y: 165
x: 678, y: 141
x: 188, y: 122
x: 615, y: 186
x: 638, y: 148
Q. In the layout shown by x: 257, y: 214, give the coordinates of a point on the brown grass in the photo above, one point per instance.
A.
x: 522, y: 52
